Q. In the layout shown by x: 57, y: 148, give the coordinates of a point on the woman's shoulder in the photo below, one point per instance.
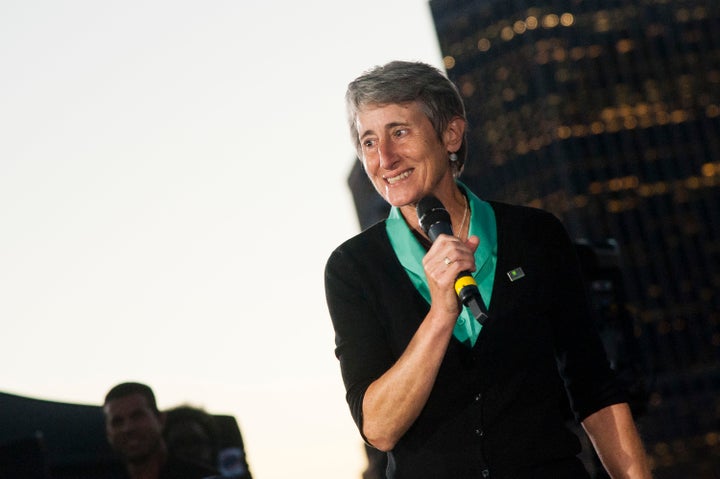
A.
x: 527, y: 223
x: 359, y: 254
x: 371, y: 234
x: 518, y: 214
x: 371, y: 239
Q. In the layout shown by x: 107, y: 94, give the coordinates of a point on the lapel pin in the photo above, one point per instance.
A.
x: 515, y: 274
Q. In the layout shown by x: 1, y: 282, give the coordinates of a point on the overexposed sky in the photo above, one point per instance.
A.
x: 173, y: 176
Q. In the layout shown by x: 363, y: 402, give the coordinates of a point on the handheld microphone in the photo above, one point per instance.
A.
x: 435, y: 220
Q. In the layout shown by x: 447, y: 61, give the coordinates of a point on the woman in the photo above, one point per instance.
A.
x: 445, y: 396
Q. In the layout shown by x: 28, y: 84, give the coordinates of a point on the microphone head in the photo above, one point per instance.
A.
x: 433, y: 217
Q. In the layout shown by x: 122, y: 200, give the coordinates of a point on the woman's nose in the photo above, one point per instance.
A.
x: 387, y: 155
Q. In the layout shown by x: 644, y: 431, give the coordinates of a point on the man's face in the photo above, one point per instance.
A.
x: 133, y: 430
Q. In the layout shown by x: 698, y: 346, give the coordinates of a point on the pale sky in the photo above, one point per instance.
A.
x: 173, y: 176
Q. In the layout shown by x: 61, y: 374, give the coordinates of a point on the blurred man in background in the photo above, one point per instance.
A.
x: 134, y: 425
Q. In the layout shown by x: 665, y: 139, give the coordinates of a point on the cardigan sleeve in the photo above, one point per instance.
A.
x: 582, y: 361
x: 360, y: 340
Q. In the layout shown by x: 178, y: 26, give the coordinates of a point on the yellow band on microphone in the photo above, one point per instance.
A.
x: 463, y: 281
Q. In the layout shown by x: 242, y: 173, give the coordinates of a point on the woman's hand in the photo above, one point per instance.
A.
x: 445, y: 260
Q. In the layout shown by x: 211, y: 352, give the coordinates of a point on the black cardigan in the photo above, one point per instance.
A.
x: 496, y: 410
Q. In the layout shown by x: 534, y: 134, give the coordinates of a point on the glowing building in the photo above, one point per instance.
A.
x: 607, y: 113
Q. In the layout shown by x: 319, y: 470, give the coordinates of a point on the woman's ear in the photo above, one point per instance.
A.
x: 454, y: 134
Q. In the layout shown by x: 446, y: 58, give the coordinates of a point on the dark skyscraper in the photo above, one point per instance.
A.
x: 607, y: 113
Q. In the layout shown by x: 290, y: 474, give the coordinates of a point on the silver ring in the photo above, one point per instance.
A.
x: 448, y: 261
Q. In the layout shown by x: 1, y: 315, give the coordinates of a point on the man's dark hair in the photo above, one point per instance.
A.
x: 129, y: 388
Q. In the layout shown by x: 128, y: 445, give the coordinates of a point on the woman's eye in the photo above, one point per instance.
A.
x: 368, y: 143
x: 399, y: 133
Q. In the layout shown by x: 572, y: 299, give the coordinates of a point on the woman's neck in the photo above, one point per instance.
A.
x: 457, y: 206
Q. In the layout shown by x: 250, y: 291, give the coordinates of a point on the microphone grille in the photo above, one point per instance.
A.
x: 431, y: 211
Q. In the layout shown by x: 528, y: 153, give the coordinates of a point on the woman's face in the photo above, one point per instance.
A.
x: 401, y: 152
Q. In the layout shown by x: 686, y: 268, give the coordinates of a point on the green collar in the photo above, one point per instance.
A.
x: 410, y: 253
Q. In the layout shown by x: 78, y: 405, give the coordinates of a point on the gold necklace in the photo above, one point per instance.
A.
x: 462, y: 223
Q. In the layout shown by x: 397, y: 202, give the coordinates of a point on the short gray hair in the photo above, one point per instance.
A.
x: 400, y: 82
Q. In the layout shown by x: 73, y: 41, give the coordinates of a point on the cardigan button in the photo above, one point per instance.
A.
x: 479, y: 432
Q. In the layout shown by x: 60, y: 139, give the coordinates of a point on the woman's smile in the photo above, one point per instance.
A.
x: 394, y: 179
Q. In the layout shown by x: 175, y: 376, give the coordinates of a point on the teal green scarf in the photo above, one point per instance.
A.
x: 410, y: 253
